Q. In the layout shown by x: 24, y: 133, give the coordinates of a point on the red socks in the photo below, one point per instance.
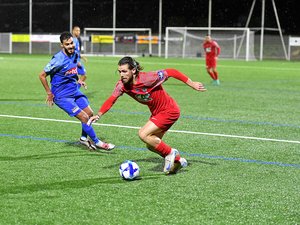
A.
x: 214, y: 75
x: 163, y: 149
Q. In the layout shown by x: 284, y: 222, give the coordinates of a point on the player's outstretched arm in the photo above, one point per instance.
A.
x: 182, y: 77
x: 104, y: 108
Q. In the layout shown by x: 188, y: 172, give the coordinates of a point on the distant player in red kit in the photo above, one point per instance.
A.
x: 212, y: 51
x: 146, y: 88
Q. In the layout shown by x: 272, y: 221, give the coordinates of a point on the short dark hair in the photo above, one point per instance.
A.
x: 65, y: 36
x: 132, y: 63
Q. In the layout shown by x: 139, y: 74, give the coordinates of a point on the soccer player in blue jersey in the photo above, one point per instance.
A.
x: 77, y: 43
x: 65, y: 92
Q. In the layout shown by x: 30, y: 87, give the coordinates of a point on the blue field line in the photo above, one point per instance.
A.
x: 199, y: 155
x: 182, y: 116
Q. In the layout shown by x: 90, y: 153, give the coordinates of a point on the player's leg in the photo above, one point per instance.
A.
x: 87, y: 112
x: 179, y: 161
x: 83, y: 103
x: 214, y: 71
x: 149, y: 134
x: 153, y: 131
x: 70, y: 106
x: 210, y: 72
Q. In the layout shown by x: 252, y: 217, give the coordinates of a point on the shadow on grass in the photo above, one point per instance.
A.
x: 69, y: 184
x: 63, y: 154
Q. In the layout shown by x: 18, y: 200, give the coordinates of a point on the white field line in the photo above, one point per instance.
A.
x: 174, y: 131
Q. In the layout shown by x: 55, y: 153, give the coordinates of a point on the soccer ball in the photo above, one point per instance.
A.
x: 129, y: 170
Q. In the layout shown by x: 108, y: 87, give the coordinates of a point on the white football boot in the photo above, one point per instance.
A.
x: 178, y: 165
x: 105, y: 146
x: 169, y: 160
x: 86, y: 142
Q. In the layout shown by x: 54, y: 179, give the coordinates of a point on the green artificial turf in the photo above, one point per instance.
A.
x: 241, y: 140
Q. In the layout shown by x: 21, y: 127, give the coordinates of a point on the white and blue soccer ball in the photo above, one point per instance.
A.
x: 129, y: 170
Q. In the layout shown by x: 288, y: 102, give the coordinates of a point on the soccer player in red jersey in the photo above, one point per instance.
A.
x: 212, y: 51
x: 146, y: 88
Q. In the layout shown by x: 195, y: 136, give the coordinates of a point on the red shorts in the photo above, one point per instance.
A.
x: 165, y: 119
x: 211, y: 63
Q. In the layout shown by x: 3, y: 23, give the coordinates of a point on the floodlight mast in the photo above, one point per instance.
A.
x: 30, y: 25
x: 262, y: 28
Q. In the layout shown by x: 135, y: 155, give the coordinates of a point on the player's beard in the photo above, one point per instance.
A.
x: 127, y: 81
x: 69, y: 51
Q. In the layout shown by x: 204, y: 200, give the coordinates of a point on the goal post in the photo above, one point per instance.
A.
x: 118, y: 41
x: 235, y: 43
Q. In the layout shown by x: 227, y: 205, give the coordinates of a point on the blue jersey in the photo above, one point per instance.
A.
x: 63, y: 72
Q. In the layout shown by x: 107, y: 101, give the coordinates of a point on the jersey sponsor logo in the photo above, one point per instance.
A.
x: 208, y: 49
x: 71, y: 71
x: 144, y: 90
x: 160, y: 75
x: 143, y: 97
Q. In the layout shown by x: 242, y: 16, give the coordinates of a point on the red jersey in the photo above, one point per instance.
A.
x: 212, y: 49
x: 147, y: 90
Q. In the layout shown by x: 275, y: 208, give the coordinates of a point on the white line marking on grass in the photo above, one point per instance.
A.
x: 174, y: 131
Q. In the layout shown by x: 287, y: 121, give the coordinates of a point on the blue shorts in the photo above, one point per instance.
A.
x: 81, y: 70
x: 73, y: 105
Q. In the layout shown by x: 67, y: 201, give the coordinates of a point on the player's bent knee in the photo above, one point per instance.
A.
x: 142, y: 135
x: 83, y: 117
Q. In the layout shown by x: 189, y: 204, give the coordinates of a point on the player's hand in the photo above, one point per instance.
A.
x: 195, y: 85
x: 49, y: 99
x: 93, y: 119
x: 82, y: 83
x: 198, y: 86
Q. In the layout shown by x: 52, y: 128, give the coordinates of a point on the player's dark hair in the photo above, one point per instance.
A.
x: 65, y: 36
x: 132, y: 63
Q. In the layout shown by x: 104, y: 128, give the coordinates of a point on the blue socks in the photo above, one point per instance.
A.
x: 89, y: 130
